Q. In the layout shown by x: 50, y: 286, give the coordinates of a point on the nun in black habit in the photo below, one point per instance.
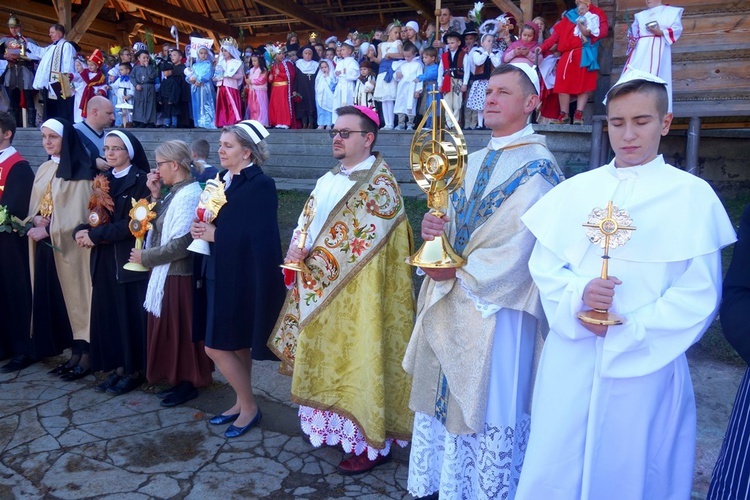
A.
x: 244, y: 286
x: 118, y: 320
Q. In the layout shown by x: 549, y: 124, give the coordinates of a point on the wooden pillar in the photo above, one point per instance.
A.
x: 527, y: 7
x: 596, y: 142
x: 63, y: 12
x: 85, y: 19
x: 693, y: 141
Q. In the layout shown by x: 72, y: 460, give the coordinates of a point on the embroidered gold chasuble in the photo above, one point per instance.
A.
x: 344, y: 328
x: 70, y: 208
x: 449, y: 355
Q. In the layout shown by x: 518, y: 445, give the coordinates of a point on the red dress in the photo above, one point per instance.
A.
x: 571, y: 77
x: 280, y: 105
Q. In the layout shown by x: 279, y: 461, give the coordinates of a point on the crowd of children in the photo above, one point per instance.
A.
x: 397, y: 71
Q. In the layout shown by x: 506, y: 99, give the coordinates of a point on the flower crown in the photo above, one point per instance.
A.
x: 274, y: 48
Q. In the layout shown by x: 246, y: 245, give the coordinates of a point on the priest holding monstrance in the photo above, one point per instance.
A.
x: 613, y: 414
x: 472, y: 349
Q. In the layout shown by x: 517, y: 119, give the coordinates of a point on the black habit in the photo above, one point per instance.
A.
x: 15, y: 281
x: 118, y: 320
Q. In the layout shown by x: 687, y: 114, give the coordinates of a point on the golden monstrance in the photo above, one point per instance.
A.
x: 141, y: 216
x: 308, y: 214
x: 609, y: 227
x: 438, y: 162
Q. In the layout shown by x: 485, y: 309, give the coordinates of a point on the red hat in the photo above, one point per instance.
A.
x: 97, y: 57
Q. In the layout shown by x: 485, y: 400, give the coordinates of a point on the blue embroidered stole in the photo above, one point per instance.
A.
x: 474, y: 211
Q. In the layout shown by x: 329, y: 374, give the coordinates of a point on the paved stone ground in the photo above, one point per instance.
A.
x: 64, y: 440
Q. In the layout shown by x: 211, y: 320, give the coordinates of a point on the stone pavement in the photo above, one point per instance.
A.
x: 64, y: 440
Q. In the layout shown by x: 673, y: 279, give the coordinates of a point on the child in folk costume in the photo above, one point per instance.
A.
x: 454, y: 72
x: 304, y: 86
x: 347, y: 72
x: 484, y: 59
x: 390, y: 55
x: 281, y: 76
x: 124, y: 89
x: 325, y: 82
x: 256, y: 83
x: 365, y: 86
x: 94, y: 80
x: 409, y: 87
x: 200, y: 77
x: 523, y: 50
x: 650, y: 40
x: 228, y: 77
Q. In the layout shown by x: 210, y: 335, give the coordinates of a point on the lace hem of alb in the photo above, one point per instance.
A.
x: 484, y: 466
x: 487, y: 309
x: 332, y: 429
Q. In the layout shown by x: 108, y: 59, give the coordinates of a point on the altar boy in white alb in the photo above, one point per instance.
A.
x: 613, y: 413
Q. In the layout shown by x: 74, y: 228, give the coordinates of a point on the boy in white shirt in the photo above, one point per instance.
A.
x: 409, y: 87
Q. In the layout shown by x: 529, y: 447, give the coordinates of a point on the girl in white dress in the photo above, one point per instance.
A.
x: 390, y: 55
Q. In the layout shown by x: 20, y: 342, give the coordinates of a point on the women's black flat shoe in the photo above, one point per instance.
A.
x: 110, y: 382
x: 78, y: 372
x: 59, y: 370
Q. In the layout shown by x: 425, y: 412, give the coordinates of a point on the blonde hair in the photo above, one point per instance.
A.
x: 176, y: 151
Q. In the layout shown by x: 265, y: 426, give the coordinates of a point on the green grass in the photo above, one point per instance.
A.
x: 711, y: 346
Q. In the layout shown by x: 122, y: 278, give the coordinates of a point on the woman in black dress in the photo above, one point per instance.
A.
x: 244, y: 286
x: 118, y: 320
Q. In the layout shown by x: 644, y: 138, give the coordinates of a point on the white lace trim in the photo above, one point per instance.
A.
x: 473, y: 466
x: 487, y: 309
x: 327, y: 427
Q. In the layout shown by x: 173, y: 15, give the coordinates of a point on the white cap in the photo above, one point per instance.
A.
x: 635, y: 74
x: 413, y: 25
x: 363, y: 47
x: 530, y: 71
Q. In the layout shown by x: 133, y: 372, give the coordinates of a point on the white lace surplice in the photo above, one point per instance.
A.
x: 485, y: 465
x: 327, y: 427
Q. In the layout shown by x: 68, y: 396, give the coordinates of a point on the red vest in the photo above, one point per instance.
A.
x: 5, y: 168
x: 452, y: 69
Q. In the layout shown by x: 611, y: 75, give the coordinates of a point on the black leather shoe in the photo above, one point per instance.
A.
x: 62, y: 369
x: 166, y: 392
x: 18, y: 363
x: 223, y: 419
x: 110, y: 382
x: 125, y: 385
x: 78, y: 372
x: 233, y: 431
x: 180, y: 396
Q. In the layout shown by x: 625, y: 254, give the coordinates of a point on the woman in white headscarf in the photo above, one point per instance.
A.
x: 228, y: 77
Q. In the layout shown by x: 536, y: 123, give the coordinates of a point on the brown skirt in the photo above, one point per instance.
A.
x: 172, y: 356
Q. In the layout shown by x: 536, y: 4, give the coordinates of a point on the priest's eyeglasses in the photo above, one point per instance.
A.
x: 343, y: 133
x: 113, y: 148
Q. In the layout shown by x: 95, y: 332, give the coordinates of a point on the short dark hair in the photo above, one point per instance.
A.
x: 201, y: 148
x: 526, y: 85
x: 8, y: 122
x: 430, y: 51
x: 365, y: 123
x: 410, y: 47
x: 641, y: 87
x: 178, y: 51
x: 127, y: 65
x: 59, y: 27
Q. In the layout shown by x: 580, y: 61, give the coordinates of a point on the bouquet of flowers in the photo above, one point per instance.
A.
x: 9, y: 223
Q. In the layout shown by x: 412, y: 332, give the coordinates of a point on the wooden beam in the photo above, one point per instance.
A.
x: 527, y: 7
x: 183, y: 15
x: 304, y: 15
x: 85, y: 19
x: 508, y: 6
x: 423, y: 8
x: 63, y: 12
